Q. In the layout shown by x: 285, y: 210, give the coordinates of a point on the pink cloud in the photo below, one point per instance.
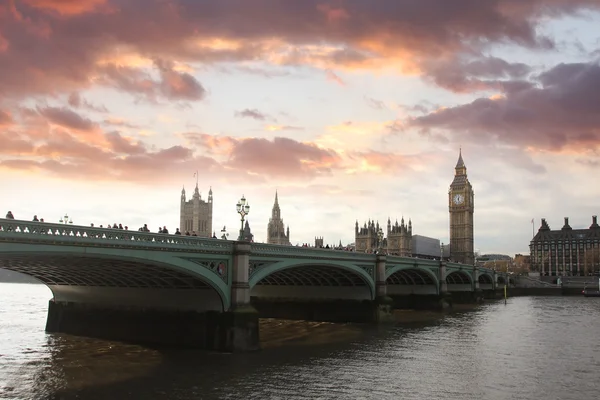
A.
x: 561, y: 113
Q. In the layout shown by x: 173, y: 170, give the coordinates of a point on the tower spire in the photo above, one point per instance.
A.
x: 460, y: 163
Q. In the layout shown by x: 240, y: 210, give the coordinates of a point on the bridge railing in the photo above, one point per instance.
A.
x: 280, y: 250
x: 12, y: 229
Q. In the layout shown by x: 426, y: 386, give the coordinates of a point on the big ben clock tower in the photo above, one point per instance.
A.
x: 461, y: 203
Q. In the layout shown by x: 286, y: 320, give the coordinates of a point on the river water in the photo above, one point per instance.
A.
x: 530, y: 348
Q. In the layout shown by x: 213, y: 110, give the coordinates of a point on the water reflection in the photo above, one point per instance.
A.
x: 531, y: 348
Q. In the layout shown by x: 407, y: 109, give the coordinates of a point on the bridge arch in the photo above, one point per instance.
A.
x: 421, y: 280
x: 485, y: 279
x: 501, y: 280
x: 328, y: 279
x: 459, y: 277
x: 125, y: 277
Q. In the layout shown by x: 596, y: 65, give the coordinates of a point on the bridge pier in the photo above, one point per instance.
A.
x: 180, y: 318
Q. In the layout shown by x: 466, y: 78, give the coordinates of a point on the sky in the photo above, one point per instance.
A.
x: 350, y: 109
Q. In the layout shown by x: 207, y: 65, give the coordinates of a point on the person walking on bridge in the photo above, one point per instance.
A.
x: 9, y: 215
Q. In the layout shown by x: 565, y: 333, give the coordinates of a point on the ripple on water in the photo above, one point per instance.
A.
x: 530, y: 348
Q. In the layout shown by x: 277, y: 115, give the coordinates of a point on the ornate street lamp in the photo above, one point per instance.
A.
x: 243, y: 208
x: 65, y: 220
x: 442, y: 252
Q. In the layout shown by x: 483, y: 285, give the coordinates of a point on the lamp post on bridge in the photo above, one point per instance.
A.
x: 442, y: 252
x: 243, y: 208
x: 65, y: 220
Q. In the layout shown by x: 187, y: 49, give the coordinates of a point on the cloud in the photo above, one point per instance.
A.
x: 460, y: 75
x: 560, y: 113
x: 332, y: 76
x: 172, y: 85
x: 54, y: 46
x: 5, y: 118
x: 75, y: 100
x: 251, y: 113
x: 374, y: 103
x: 68, y: 7
x: 276, y: 158
x: 276, y: 128
x: 67, y: 118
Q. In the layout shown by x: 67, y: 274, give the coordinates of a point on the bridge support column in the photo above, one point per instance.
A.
x: 477, y: 293
x: 383, y: 304
x: 442, y: 278
x: 445, y: 298
x: 239, y: 324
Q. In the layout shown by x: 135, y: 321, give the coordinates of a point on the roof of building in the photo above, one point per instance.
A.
x: 544, y: 233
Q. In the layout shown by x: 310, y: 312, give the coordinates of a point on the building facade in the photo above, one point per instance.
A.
x: 399, y: 238
x: 426, y: 247
x: 196, y: 214
x: 566, y: 251
x: 365, y: 238
x: 276, y: 232
x: 461, y: 205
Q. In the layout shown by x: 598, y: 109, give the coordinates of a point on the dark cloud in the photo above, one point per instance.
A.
x: 561, y: 112
x: 172, y: 85
x: 251, y: 113
x: 51, y: 46
x: 480, y: 74
x: 67, y: 118
x: 374, y: 103
x: 5, y: 118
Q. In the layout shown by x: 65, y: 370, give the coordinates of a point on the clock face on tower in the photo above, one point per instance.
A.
x: 458, y: 199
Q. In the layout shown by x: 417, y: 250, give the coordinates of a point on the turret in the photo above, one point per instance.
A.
x: 197, y: 192
x: 210, y: 195
x: 183, y: 195
x: 356, y: 228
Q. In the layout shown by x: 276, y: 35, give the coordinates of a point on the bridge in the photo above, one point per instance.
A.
x: 209, y: 293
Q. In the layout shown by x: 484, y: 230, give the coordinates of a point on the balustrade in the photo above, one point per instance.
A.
x: 43, y: 230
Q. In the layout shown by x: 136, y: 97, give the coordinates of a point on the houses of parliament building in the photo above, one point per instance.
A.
x: 399, y: 239
x: 195, y: 215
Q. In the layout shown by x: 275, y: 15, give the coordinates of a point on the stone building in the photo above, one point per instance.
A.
x: 461, y: 205
x: 276, y: 232
x: 365, y: 238
x: 399, y: 238
x: 196, y: 214
x: 319, y: 242
x: 566, y: 251
x: 397, y: 242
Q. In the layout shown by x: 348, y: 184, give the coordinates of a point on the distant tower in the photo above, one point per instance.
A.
x: 399, y: 238
x: 196, y: 214
x: 248, y: 236
x: 365, y: 238
x: 276, y: 232
x: 461, y: 204
x: 319, y: 242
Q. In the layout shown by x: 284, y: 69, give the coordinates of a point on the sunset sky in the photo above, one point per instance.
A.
x: 351, y: 109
